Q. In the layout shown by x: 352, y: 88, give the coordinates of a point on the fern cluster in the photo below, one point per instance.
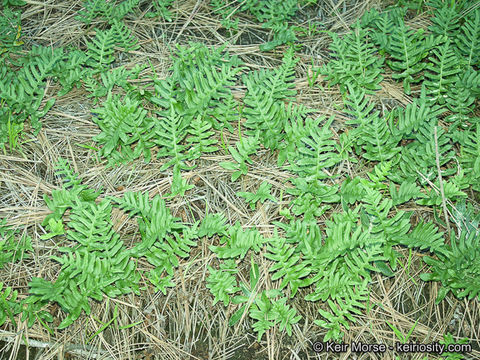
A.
x: 273, y: 15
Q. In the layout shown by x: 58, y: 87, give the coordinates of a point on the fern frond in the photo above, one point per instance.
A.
x: 425, y: 236
x: 223, y: 283
x: 287, y: 266
x: 470, y: 157
x: 311, y: 197
x: 123, y: 36
x: 420, y: 156
x: 12, y: 246
x: 445, y: 22
x: 101, y: 49
x: 170, y: 132
x: 442, y: 71
x: 457, y: 267
x: 244, y: 148
x: 408, y: 47
x: 468, y: 40
x: 354, y: 62
x: 201, y: 138
x: 262, y: 194
x: 315, y: 151
x: 212, y: 224
x: 238, y: 242
x: 406, y: 192
x: 124, y: 123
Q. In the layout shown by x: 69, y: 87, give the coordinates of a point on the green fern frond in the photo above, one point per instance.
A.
x: 311, y: 196
x: 23, y: 90
x: 468, y: 40
x: 12, y: 246
x: 124, y: 124
x: 123, y: 36
x: 450, y: 192
x: 354, y: 62
x: 268, y: 313
x: 212, y: 224
x: 470, y: 157
x: 371, y: 132
x: 388, y: 230
x: 244, y: 148
x: 108, y: 10
x: 101, y: 50
x: 262, y: 194
x: 416, y: 115
x: 352, y: 191
x: 10, y: 31
x: 238, y: 242
x: 406, y: 192
x: 161, y: 9
x: 425, y: 236
x: 442, y: 71
x: 287, y: 266
x: 315, y: 151
x: 265, y: 109
x: 170, y: 131
x: 408, y: 47
x: 445, y: 22
x: 457, y: 267
x: 223, y: 283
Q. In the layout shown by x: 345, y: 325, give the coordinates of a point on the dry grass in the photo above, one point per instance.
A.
x: 183, y: 324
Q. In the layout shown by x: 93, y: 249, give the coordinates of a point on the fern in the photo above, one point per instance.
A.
x: 203, y: 88
x: 425, y: 236
x: 238, y: 242
x: 179, y: 185
x: 457, y: 267
x: 262, y: 194
x: 442, y: 71
x: 70, y: 73
x: 266, y: 91
x: 96, y: 266
x: 124, y: 124
x: 460, y: 102
x: 376, y: 221
x: 420, y: 156
x: 311, y: 196
x: 161, y: 9
x: 315, y: 151
x: 10, y: 31
x: 408, y: 48
x: 24, y: 92
x: 470, y: 157
x: 406, y: 192
x: 170, y: 132
x: 419, y: 114
x: 123, y: 36
x: 270, y: 13
x: 354, y: 62
x: 341, y: 269
x: 101, y: 49
x: 268, y: 313
x: 372, y: 132
x: 212, y: 224
x: 108, y: 10
x: 450, y: 192
x: 244, y: 148
x: 468, y: 40
x: 445, y: 22
x: 287, y: 265
x: 200, y: 138
x: 8, y: 305
x: 12, y: 247
x: 222, y: 283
